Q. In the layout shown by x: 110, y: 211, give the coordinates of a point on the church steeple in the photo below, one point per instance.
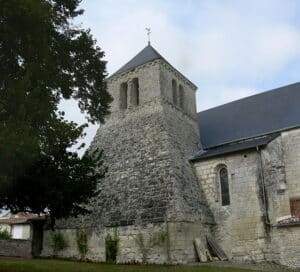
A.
x: 147, y: 76
x: 146, y: 55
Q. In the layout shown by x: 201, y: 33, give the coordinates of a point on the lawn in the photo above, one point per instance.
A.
x: 9, y: 265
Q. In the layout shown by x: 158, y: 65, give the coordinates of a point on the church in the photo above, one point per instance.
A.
x: 184, y: 187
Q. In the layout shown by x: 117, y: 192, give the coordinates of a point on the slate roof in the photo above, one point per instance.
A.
x: 256, y: 115
x: 247, y: 123
x: 234, y: 147
x: 146, y: 55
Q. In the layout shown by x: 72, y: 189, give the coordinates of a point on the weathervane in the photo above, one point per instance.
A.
x: 148, y: 29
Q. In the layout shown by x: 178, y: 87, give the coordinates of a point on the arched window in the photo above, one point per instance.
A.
x: 181, y: 97
x: 134, y: 92
x: 174, y: 91
x: 225, y: 196
x: 123, y: 95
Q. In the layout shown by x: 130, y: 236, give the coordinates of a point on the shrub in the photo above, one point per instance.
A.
x: 111, y: 247
x: 159, y: 238
x: 143, y: 246
x: 4, y: 234
x: 82, y: 242
x: 58, y: 242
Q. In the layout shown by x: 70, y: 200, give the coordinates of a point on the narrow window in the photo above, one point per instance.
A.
x: 181, y: 96
x: 123, y: 96
x: 174, y: 91
x: 135, y: 93
x: 295, y: 207
x: 224, y: 186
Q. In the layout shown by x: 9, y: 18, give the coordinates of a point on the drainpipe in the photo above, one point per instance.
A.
x: 265, y: 201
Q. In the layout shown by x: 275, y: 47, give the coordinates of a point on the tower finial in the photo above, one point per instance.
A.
x: 148, y: 29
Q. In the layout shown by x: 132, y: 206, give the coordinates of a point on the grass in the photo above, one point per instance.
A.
x: 41, y: 265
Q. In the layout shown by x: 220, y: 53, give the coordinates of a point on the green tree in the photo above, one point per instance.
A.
x: 44, y: 58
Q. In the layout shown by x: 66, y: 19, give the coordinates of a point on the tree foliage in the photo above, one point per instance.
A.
x: 4, y: 234
x: 45, y: 58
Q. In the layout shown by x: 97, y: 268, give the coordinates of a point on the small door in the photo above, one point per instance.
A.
x: 37, y: 238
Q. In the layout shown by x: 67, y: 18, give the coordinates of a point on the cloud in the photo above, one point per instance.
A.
x: 208, y: 40
x: 242, y: 52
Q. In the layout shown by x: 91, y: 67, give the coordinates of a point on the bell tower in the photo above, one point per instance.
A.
x: 147, y: 140
x: 147, y: 76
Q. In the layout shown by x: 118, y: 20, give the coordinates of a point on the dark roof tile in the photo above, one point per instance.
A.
x: 146, y: 55
x: 234, y: 147
x: 260, y: 114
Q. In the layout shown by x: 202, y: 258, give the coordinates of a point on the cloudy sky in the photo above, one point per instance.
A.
x: 229, y: 49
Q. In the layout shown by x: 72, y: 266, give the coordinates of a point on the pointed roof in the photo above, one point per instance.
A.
x: 146, y: 55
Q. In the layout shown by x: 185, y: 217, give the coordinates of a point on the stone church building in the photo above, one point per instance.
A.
x: 227, y: 177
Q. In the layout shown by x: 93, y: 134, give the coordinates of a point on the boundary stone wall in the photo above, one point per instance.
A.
x: 16, y: 248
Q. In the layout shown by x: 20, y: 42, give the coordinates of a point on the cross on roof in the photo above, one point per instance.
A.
x: 148, y: 29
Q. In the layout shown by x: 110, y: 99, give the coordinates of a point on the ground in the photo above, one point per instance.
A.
x: 40, y: 265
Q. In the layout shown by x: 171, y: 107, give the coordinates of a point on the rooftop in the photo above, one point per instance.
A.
x: 248, y: 123
x: 22, y: 218
x: 253, y: 116
x: 146, y: 55
x: 234, y: 147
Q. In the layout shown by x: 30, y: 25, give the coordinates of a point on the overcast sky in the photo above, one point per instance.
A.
x: 229, y: 49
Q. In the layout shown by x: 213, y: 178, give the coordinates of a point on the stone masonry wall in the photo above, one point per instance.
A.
x: 239, y: 227
x: 167, y: 74
x: 281, y: 160
x: 129, y: 248
x: 151, y: 146
x: 16, y: 248
x: 291, y: 147
x: 285, y: 246
x: 242, y: 229
x: 149, y: 87
x: 96, y: 244
x: 149, y: 179
x: 138, y: 185
x: 189, y: 202
x: 152, y: 243
x: 275, y: 180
